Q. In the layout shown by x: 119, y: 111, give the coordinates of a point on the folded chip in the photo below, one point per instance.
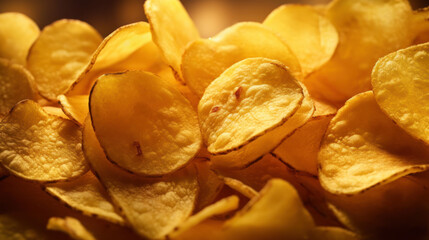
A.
x: 70, y: 226
x: 37, y: 146
x: 75, y: 107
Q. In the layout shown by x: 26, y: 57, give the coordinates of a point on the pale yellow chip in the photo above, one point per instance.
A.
x: 240, y: 187
x: 71, y: 226
x: 400, y: 83
x: 17, y: 34
x: 204, y: 60
x: 241, y: 106
x: 60, y: 54
x: 172, y: 30
x: 152, y: 206
x: 75, y: 107
x: 16, y: 84
x: 363, y: 148
x: 37, y: 146
x: 55, y: 111
x: 368, y: 30
x: 149, y: 127
x: 87, y: 195
x: 309, y: 34
x: 210, y: 184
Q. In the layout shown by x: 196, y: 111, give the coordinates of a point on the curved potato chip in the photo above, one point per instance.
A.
x: 363, y: 148
x: 55, y: 111
x: 210, y: 184
x: 400, y: 83
x: 17, y: 34
x: 60, y: 54
x: 152, y: 206
x: 204, y: 60
x: 41, y: 147
x: 85, y: 194
x: 366, y: 34
x: 164, y: 135
x: 332, y: 233
x: 240, y: 187
x: 70, y: 226
x: 75, y: 107
x: 172, y: 30
x: 309, y: 34
x: 16, y: 84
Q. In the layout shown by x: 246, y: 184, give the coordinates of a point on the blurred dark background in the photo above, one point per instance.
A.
x: 210, y: 16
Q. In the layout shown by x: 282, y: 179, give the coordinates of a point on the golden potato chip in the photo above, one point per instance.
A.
x: 222, y: 206
x: 276, y: 213
x: 210, y: 184
x: 75, y: 107
x: 152, y: 206
x: 172, y: 30
x: 241, y: 106
x: 85, y: 194
x: 17, y: 34
x: 209, y: 229
x: 310, y: 35
x: 400, y: 83
x: 16, y: 84
x: 332, y: 233
x: 41, y: 147
x: 55, y: 111
x: 363, y: 148
x: 240, y: 187
x: 366, y: 33
x: 60, y: 54
x: 70, y: 226
x: 164, y: 135
x: 204, y: 60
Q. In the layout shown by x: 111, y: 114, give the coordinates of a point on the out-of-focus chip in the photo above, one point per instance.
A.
x: 210, y: 184
x: 240, y: 187
x: 149, y: 127
x: 310, y: 35
x: 41, y: 147
x: 16, y: 84
x: 421, y: 25
x: 152, y: 206
x: 204, y: 60
x: 363, y: 148
x: 332, y: 233
x: 172, y: 30
x: 366, y: 34
x: 60, y: 54
x: 241, y: 106
x: 400, y: 83
x: 85, y: 194
x: 75, y: 107
x: 70, y: 226
x: 17, y: 34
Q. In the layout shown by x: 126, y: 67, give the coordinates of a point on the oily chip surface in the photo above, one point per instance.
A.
x: 41, y: 147
x: 400, y: 83
x: 149, y: 128
x: 363, y: 148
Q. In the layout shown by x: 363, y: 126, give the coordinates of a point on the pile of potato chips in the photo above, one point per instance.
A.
x: 313, y: 124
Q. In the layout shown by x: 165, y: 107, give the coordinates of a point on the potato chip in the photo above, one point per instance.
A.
x: 16, y: 84
x: 363, y: 148
x: 41, y: 147
x: 366, y: 34
x: 240, y: 187
x: 164, y: 135
x: 70, y: 226
x: 210, y: 184
x: 332, y: 233
x: 17, y: 34
x: 421, y: 25
x: 85, y: 194
x: 400, y: 83
x: 310, y: 35
x: 204, y: 60
x: 172, y: 30
x: 55, y: 111
x: 75, y: 107
x: 222, y: 206
x: 152, y: 206
x: 209, y: 229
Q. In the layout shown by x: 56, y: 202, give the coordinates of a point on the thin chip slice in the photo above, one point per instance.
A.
x: 220, y: 207
x: 149, y: 127
x: 60, y: 54
x: 276, y: 213
x: 152, y: 206
x: 75, y: 107
x: 204, y: 60
x: 16, y: 84
x: 87, y: 195
x: 70, y: 226
x: 210, y: 184
x: 172, y: 29
x: 37, y: 146
x: 55, y: 111
x: 332, y: 233
x: 17, y: 34
x: 363, y: 148
x: 400, y: 83
x: 308, y: 33
x: 240, y: 187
